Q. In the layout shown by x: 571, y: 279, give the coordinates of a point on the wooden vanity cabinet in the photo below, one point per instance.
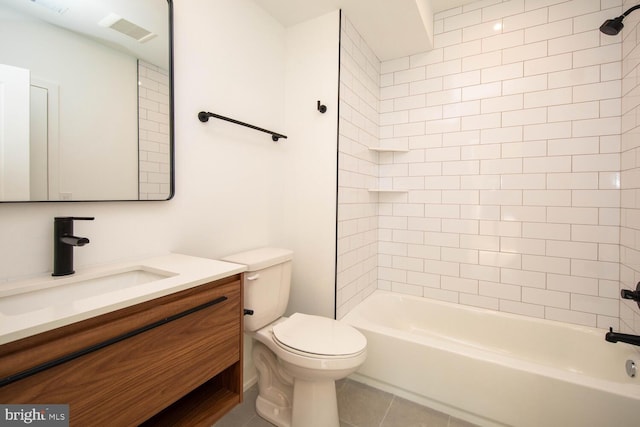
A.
x: 174, y: 361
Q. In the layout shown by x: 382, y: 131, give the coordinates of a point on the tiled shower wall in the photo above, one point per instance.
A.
x: 357, y: 170
x: 630, y: 170
x: 513, y: 127
x: 509, y: 189
x: 153, y: 139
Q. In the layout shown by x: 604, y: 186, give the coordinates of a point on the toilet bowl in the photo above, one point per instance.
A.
x: 298, y: 358
x: 303, y: 381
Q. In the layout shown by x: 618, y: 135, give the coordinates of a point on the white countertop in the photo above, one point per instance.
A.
x: 183, y: 272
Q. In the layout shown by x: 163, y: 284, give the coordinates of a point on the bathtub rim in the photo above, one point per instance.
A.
x: 461, y: 306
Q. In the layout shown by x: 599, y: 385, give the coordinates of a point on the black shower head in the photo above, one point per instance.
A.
x: 611, y: 27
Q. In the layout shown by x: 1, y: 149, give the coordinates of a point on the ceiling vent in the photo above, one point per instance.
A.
x: 127, y: 28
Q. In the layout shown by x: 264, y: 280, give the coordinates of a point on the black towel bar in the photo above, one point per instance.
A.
x: 203, y: 116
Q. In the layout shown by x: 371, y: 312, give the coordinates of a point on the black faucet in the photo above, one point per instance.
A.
x: 63, y: 243
x: 616, y: 336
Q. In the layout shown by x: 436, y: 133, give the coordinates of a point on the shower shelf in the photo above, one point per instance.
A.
x: 387, y: 150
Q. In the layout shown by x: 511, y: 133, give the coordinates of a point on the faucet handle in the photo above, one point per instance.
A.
x: 74, y: 218
x: 633, y: 295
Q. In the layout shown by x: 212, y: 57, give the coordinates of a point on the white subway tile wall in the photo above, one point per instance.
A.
x: 357, y: 240
x: 153, y: 138
x: 520, y: 97
x: 629, y: 173
x: 514, y: 189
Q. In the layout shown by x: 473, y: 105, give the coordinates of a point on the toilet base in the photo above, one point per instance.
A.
x: 275, y: 387
x: 292, y: 402
x: 315, y: 404
x: 278, y: 415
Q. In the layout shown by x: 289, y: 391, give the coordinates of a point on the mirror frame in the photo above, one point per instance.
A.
x: 171, y: 135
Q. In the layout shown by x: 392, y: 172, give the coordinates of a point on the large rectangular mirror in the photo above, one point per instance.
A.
x: 86, y: 105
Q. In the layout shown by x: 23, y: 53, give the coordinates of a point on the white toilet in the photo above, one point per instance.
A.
x: 297, y: 358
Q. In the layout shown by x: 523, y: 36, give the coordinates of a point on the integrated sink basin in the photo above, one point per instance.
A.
x: 66, y: 290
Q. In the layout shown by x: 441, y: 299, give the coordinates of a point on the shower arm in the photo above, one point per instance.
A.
x: 631, y: 9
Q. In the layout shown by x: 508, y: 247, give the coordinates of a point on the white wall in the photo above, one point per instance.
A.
x: 309, y: 172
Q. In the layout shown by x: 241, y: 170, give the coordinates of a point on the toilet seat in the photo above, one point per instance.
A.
x: 317, y: 336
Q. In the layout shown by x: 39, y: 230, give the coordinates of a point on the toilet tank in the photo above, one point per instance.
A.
x: 266, y: 284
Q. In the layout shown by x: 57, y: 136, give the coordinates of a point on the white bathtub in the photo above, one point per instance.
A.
x: 493, y: 368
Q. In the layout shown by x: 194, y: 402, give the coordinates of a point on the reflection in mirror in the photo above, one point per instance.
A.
x: 85, y: 100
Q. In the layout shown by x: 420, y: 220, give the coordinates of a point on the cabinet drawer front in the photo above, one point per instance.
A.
x: 127, y: 382
x: 26, y: 353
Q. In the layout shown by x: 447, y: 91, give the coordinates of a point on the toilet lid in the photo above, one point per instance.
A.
x: 319, y: 335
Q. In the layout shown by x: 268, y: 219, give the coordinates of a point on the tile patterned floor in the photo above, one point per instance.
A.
x: 359, y: 406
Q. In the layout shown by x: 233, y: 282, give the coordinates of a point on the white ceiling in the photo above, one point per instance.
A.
x: 392, y: 28
x: 82, y: 17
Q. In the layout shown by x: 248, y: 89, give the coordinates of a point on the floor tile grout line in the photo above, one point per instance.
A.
x: 393, y: 397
